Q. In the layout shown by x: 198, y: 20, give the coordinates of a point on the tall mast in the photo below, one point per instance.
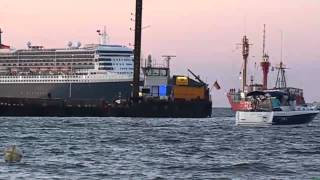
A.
x: 137, y: 50
x: 265, y: 64
x: 245, y: 54
x: 281, y: 77
x: 0, y: 36
x: 104, y: 36
x: 264, y: 40
x: 168, y: 59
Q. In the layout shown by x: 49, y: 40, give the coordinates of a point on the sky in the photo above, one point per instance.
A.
x: 203, y: 34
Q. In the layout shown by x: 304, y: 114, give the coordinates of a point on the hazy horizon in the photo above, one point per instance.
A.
x: 202, y: 34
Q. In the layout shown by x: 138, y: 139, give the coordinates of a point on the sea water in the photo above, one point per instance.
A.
x: 159, y: 148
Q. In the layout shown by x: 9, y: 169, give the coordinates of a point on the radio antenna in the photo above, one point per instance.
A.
x: 281, y: 48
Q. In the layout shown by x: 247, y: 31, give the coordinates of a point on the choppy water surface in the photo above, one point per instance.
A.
x: 135, y: 148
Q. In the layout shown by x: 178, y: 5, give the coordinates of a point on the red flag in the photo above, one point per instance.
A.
x: 216, y: 85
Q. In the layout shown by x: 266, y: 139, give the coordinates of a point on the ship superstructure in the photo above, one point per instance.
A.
x: 37, y: 60
x: 94, y: 71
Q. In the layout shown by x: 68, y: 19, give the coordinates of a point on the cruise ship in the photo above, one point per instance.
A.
x: 94, y: 71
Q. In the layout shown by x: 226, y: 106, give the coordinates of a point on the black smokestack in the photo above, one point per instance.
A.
x: 137, y: 50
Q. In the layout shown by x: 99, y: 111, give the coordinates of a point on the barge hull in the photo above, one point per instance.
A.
x: 101, y: 108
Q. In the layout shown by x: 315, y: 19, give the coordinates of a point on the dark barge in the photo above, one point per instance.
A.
x: 97, y: 108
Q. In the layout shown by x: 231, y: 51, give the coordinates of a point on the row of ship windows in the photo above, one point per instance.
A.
x: 123, y: 60
x: 125, y: 72
x: 122, y: 64
x: 47, y: 64
x: 105, y: 68
x: 27, y: 77
x: 44, y: 60
x: 44, y: 57
x: 117, y: 64
x: 115, y: 59
x: 62, y: 81
x: 115, y: 55
x: 70, y: 60
x: 52, y: 59
x: 104, y: 59
x: 126, y: 68
x: 105, y: 64
x: 108, y: 52
x: 33, y: 53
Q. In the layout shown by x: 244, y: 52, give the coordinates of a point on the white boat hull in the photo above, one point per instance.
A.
x: 275, y: 117
x: 254, y: 118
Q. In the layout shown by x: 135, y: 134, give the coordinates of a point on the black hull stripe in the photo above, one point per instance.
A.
x: 296, y: 119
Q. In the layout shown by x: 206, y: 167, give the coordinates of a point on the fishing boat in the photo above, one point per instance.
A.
x: 274, y: 109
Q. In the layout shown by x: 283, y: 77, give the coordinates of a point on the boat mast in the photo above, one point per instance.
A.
x: 245, y: 54
x: 168, y: 59
x: 265, y: 64
x: 104, y: 36
x: 281, y: 77
x: 0, y: 36
x: 137, y: 50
